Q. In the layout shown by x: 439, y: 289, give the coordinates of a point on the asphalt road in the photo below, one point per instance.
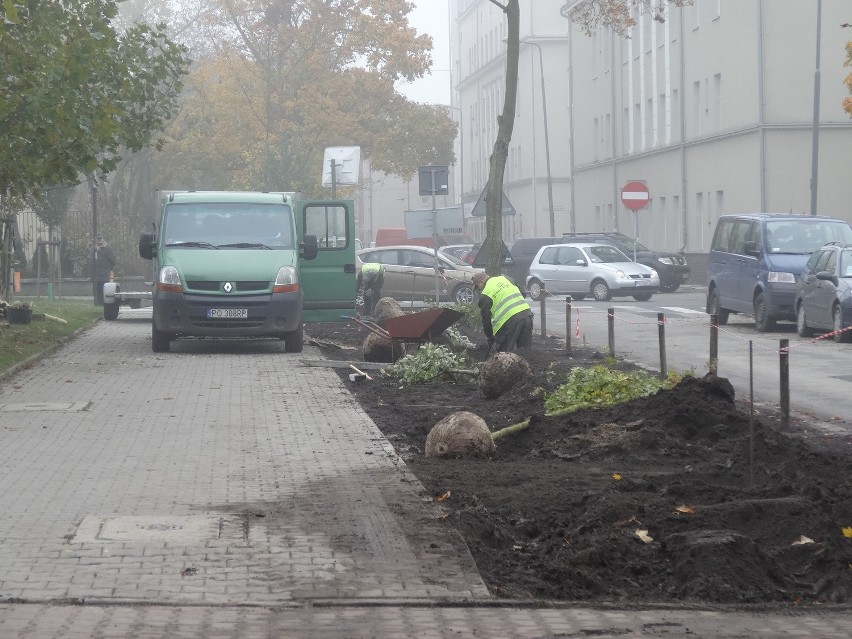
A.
x: 819, y: 370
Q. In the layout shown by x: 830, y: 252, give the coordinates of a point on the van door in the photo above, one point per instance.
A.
x: 328, y: 282
x: 752, y: 266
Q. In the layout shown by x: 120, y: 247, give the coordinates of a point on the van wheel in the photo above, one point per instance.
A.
x: 644, y: 297
x: 536, y: 288
x: 713, y: 308
x: 159, y: 340
x: 294, y: 340
x: 111, y: 312
x: 463, y: 294
x: 762, y: 321
x: 802, y: 328
x: 838, y: 325
x: 600, y: 291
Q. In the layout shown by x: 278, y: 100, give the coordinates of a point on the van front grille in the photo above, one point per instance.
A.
x: 254, y: 286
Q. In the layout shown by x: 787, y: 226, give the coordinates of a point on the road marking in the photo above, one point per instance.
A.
x: 680, y: 309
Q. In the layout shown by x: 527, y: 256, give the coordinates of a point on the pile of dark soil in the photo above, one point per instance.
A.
x: 675, y: 497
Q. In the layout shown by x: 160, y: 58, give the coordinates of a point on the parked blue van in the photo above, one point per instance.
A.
x: 756, y: 258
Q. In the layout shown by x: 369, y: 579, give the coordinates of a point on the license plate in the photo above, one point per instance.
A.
x: 227, y: 313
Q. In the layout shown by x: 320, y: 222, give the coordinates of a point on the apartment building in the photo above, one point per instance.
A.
x: 538, y: 169
x: 712, y: 106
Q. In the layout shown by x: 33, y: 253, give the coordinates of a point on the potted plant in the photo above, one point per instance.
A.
x: 19, y: 313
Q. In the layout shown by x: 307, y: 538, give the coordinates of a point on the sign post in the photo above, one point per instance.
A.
x: 635, y: 196
x: 435, y: 180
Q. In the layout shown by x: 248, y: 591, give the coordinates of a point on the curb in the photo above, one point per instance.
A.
x: 32, y: 359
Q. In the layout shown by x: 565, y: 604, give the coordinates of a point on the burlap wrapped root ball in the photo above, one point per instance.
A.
x: 385, y: 308
x: 501, y: 372
x: 381, y: 349
x: 460, y: 434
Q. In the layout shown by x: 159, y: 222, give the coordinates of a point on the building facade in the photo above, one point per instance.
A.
x: 538, y: 177
x: 712, y: 106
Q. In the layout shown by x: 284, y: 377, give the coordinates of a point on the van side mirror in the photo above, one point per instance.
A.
x: 308, y: 248
x: 827, y: 276
x: 147, y: 246
x: 751, y: 248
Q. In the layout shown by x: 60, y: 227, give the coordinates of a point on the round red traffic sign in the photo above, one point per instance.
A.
x: 635, y: 195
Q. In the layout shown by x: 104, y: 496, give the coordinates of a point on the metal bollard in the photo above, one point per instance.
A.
x: 785, y: 382
x: 713, y: 365
x: 568, y: 325
x: 543, y: 311
x: 661, y: 331
x: 611, y: 330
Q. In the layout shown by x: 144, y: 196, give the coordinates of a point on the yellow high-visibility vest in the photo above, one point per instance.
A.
x: 506, y: 300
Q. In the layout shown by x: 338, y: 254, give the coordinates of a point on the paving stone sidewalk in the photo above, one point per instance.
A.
x: 224, y: 490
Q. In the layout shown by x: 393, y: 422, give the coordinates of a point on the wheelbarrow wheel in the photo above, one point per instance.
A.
x: 463, y: 294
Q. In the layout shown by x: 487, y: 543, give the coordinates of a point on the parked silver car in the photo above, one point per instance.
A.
x: 599, y: 270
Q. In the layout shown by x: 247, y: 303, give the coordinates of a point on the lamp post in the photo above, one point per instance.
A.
x: 815, y: 143
x: 461, y: 151
x: 546, y: 137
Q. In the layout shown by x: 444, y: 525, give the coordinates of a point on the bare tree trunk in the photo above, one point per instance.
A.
x: 497, y: 161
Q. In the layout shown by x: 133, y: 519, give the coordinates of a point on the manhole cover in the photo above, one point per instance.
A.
x: 166, y: 528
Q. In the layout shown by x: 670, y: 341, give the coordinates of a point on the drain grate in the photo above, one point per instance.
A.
x: 64, y: 407
x: 179, y: 529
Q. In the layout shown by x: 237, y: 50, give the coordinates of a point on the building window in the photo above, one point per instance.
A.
x: 695, y: 14
x: 717, y: 102
x: 717, y: 9
x: 607, y: 139
x: 696, y: 106
x: 596, y: 133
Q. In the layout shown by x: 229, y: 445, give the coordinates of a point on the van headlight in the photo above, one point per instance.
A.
x: 287, y: 280
x: 169, y: 280
x: 787, y: 278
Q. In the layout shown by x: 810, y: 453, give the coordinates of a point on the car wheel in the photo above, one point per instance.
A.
x: 535, y: 290
x: 669, y: 288
x: 294, y: 340
x: 801, y: 322
x: 463, y: 294
x: 713, y: 308
x: 762, y: 321
x: 838, y: 325
x: 111, y: 311
x: 600, y: 291
x: 644, y: 297
x: 159, y: 340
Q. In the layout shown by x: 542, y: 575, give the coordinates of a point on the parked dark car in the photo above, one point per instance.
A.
x: 824, y: 293
x: 671, y: 267
x: 522, y: 252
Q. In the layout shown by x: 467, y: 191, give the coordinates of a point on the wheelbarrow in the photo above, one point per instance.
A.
x: 420, y: 327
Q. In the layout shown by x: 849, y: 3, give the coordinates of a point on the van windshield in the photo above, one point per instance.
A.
x: 228, y: 225
x: 801, y: 237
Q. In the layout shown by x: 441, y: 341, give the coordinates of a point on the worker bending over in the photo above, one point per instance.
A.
x: 506, y: 317
x: 370, y: 281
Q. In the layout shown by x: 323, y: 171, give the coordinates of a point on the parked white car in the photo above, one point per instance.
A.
x: 583, y: 269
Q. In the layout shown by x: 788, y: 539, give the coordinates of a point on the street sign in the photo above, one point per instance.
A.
x: 635, y: 195
x: 434, y: 180
x: 421, y: 224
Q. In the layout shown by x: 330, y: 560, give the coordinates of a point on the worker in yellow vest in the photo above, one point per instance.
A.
x: 506, y: 317
x: 370, y: 281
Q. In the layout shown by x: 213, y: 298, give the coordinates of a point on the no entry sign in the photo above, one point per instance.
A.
x: 635, y: 195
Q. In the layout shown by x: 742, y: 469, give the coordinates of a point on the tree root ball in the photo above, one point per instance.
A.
x: 380, y: 349
x: 501, y: 372
x: 386, y: 307
x: 460, y: 434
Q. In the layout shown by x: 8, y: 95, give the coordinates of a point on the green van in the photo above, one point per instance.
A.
x: 249, y: 264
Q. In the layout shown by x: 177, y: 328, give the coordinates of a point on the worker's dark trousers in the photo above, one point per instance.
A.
x: 515, y: 333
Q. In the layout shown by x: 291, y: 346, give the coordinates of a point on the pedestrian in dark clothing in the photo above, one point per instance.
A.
x: 103, y: 265
x: 506, y: 317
